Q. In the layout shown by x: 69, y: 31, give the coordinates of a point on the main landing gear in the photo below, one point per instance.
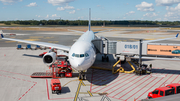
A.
x: 82, y: 76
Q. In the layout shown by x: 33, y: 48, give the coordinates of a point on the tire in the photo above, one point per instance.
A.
x: 52, y: 92
x: 102, y: 58
x: 60, y: 92
x: 80, y: 78
x: 62, y: 75
x: 57, y: 75
x: 107, y: 59
x: 149, y: 97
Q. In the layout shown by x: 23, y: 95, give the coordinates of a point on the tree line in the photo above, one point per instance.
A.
x: 93, y: 23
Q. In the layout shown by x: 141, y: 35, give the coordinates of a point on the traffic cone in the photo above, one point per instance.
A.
x: 4, y: 54
x: 134, y: 99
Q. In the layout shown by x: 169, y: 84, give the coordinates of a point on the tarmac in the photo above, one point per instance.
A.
x: 17, y: 66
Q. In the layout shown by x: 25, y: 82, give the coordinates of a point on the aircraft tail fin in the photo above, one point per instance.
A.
x: 1, y: 32
x: 89, y: 19
x: 177, y: 35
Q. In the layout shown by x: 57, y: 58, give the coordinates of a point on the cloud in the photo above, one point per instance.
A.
x: 68, y: 7
x: 47, y: 16
x: 64, y: 8
x: 166, y: 2
x: 32, y: 4
x: 72, y: 12
x: 82, y: 17
x: 60, y: 9
x: 6, y: 2
x: 158, y: 19
x: 150, y: 15
x: 99, y: 6
x: 38, y: 16
x: 59, y: 2
x: 129, y: 13
x: 54, y: 15
x: 144, y: 6
x: 173, y: 13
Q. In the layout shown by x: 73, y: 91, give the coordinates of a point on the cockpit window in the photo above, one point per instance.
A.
x: 73, y: 54
x: 80, y: 55
x: 86, y: 54
x: 76, y: 55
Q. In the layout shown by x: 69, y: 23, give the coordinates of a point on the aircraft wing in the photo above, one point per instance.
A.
x: 57, y: 46
x: 160, y: 39
x: 76, y: 31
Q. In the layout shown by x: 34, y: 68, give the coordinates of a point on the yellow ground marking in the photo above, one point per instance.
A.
x: 94, y: 85
x: 69, y: 82
x: 151, y: 39
x: 9, y: 41
x: 36, y: 37
x: 48, y: 37
x: 31, y: 39
x: 78, y: 89
x: 53, y: 41
x: 89, y: 93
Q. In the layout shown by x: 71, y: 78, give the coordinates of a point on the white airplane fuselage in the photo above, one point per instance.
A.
x: 82, y: 53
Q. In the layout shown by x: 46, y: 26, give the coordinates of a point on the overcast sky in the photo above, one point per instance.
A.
x: 161, y: 10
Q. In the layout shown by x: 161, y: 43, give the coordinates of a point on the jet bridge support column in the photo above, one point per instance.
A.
x: 140, y: 52
x: 142, y: 68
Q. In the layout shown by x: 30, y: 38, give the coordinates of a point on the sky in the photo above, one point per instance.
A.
x: 160, y: 10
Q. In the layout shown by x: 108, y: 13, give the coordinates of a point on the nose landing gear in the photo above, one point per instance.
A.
x: 82, y: 76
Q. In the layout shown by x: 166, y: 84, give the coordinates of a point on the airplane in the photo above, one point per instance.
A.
x: 82, y: 53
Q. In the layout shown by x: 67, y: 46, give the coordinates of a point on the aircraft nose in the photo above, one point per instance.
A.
x: 78, y: 64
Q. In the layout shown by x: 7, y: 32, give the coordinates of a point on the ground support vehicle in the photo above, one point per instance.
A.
x: 55, y: 86
x: 176, y: 87
x: 161, y: 92
x: 60, y: 68
x: 19, y: 46
x: 63, y: 68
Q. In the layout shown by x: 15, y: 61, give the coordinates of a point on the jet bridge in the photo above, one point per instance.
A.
x: 128, y: 50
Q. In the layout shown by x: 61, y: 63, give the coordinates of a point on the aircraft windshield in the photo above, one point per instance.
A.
x: 80, y: 55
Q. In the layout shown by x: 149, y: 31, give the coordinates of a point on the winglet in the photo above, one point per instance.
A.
x: 2, y: 36
x: 177, y: 35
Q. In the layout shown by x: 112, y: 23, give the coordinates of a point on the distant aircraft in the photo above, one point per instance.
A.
x: 82, y: 53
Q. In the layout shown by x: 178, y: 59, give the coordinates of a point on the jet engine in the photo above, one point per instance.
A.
x: 49, y: 58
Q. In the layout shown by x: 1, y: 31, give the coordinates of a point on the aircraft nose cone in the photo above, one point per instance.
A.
x: 78, y: 64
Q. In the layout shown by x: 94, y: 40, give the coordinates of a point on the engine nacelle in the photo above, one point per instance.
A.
x: 49, y: 58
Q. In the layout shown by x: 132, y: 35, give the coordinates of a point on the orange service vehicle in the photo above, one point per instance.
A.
x: 55, y: 86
